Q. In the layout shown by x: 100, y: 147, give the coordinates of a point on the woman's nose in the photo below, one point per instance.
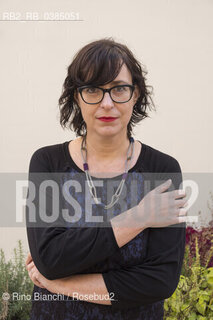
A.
x: 107, y: 101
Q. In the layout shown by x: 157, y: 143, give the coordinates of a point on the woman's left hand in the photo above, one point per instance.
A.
x: 37, y: 278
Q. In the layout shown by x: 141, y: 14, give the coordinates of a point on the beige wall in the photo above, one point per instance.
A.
x: 173, y: 39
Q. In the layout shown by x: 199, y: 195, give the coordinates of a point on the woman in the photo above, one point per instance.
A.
x: 128, y: 266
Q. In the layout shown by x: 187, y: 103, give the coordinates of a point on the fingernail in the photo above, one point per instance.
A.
x: 182, y: 192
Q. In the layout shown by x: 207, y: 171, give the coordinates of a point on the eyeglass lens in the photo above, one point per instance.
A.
x: 95, y: 95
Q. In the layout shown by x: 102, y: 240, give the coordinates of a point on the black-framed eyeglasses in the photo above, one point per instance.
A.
x: 119, y: 94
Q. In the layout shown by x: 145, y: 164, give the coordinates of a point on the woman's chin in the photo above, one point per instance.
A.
x: 108, y: 131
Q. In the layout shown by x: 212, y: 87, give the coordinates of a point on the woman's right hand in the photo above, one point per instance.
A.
x: 161, y: 209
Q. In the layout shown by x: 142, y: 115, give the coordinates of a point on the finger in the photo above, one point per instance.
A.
x: 35, y: 280
x: 181, y: 203
x: 164, y: 186
x: 33, y: 274
x: 31, y: 271
x: 30, y: 266
x: 37, y: 283
x: 182, y: 219
x: 29, y: 259
x: 182, y: 216
x: 182, y: 212
x: 176, y: 194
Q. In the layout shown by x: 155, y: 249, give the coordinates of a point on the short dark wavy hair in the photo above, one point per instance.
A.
x: 99, y: 63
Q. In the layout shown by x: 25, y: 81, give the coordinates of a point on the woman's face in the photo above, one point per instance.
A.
x: 107, y: 108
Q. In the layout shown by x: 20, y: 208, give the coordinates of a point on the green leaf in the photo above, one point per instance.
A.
x: 204, y: 295
x: 184, y: 306
x: 192, y: 316
x: 201, y: 306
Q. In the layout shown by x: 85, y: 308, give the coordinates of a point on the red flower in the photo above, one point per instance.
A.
x: 204, y: 237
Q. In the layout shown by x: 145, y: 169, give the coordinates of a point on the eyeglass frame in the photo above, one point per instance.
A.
x: 106, y: 90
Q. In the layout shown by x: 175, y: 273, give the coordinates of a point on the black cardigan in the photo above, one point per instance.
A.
x: 140, y: 274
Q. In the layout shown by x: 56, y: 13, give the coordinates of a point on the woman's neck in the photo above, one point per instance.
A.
x: 106, y: 149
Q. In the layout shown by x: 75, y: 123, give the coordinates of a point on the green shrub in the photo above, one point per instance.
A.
x: 15, y: 284
x: 193, y: 298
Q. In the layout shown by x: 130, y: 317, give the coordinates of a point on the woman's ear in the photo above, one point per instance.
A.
x: 136, y: 94
x: 76, y: 97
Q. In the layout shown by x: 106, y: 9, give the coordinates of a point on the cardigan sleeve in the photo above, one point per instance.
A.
x: 58, y: 251
x: 157, y: 277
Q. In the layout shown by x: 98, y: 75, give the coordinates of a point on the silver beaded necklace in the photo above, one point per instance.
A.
x: 92, y: 188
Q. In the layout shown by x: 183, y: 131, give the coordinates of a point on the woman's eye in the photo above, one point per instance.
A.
x: 91, y: 90
x: 120, y: 89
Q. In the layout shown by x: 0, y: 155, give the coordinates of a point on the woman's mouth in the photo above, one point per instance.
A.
x: 107, y: 119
